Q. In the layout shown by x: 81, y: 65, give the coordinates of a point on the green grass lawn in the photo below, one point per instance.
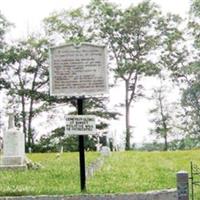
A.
x: 122, y: 172
x: 58, y: 176
x: 141, y: 171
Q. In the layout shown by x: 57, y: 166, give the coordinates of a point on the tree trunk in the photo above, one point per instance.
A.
x: 127, y: 144
x: 166, y: 142
x: 30, y: 134
x: 165, y: 135
x: 164, y: 125
x: 24, y: 118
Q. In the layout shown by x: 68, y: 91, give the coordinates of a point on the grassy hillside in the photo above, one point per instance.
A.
x: 141, y: 171
x: 122, y: 172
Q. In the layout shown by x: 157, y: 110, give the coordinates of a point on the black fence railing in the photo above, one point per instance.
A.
x: 195, y: 177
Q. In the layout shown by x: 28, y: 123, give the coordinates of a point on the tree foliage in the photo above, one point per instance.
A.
x: 188, y: 75
x: 74, y: 26
x: 26, y: 70
x: 141, y: 42
x: 136, y: 37
x: 163, y: 117
x: 4, y: 27
x: 58, y: 140
x: 69, y: 26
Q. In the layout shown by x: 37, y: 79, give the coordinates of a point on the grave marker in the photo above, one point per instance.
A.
x: 13, y: 146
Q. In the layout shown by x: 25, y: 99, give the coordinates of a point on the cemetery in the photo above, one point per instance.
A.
x: 106, y: 172
x: 115, y: 176
x: 101, y: 103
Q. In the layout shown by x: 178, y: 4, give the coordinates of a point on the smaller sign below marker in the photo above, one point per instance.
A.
x: 80, y: 125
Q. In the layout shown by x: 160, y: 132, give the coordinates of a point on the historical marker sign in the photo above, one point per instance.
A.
x: 80, y: 125
x: 78, y: 70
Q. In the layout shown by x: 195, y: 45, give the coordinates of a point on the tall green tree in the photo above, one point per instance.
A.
x: 26, y: 69
x: 173, y: 55
x: 191, y: 105
x: 191, y: 95
x: 163, y: 112
x: 187, y: 74
x: 132, y: 37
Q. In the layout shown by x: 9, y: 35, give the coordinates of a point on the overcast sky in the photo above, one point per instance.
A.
x: 28, y: 14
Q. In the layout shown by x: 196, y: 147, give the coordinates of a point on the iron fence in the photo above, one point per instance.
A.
x: 195, y: 177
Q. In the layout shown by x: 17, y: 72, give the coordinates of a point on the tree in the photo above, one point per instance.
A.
x: 4, y: 27
x: 70, y: 26
x: 190, y: 101
x: 187, y: 74
x: 57, y: 139
x: 173, y: 50
x: 191, y: 95
x: 194, y: 23
x: 26, y: 70
x: 74, y: 26
x: 172, y: 58
x: 163, y: 117
x: 132, y: 37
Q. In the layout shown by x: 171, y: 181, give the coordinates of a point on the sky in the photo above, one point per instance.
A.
x: 27, y: 16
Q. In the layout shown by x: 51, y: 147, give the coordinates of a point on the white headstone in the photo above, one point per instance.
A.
x: 13, y: 146
x: 105, y: 151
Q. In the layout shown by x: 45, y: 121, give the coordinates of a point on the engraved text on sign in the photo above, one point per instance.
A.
x: 77, y: 71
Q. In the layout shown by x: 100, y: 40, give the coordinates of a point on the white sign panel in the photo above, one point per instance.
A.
x: 78, y: 70
x: 80, y: 125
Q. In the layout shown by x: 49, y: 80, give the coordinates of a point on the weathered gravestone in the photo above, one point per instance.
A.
x: 13, y: 147
x: 105, y: 151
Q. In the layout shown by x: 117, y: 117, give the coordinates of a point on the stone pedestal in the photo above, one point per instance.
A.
x: 13, y: 147
x: 182, y: 185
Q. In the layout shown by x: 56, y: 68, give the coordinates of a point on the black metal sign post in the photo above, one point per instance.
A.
x: 81, y: 149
